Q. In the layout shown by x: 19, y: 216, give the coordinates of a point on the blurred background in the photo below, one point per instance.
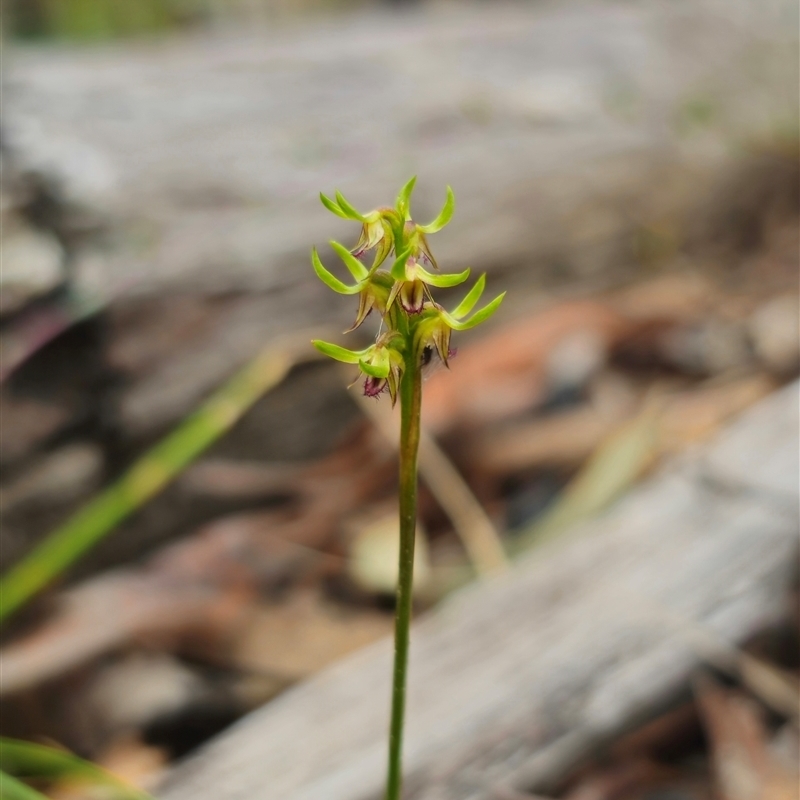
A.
x: 628, y: 171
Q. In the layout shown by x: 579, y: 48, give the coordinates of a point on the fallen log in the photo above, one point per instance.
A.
x: 514, y: 680
x: 203, y: 156
x: 182, y: 175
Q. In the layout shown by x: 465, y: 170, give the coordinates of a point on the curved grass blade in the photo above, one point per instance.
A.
x: 27, y: 760
x: 12, y: 789
x: 146, y: 478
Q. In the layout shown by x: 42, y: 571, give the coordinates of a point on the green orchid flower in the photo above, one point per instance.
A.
x: 377, y: 227
x: 415, y: 235
x: 373, y: 286
x: 411, y: 282
x: 381, y: 364
x: 406, y: 285
x: 437, y: 325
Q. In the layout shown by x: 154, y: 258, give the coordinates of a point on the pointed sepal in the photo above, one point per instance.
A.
x: 441, y: 281
x: 347, y: 209
x: 472, y: 297
x: 357, y: 269
x: 398, y: 271
x: 331, y: 280
x: 338, y: 353
x: 366, y: 302
x: 332, y: 207
x: 441, y: 341
x: 384, y: 246
x: 477, y: 318
x: 445, y: 215
x: 403, y: 204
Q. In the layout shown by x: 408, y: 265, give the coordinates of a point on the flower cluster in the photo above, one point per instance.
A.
x: 412, y: 319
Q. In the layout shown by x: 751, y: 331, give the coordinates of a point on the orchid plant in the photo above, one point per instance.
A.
x: 413, y: 325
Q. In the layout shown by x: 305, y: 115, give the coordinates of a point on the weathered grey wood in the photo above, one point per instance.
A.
x: 570, y: 132
x: 573, y: 642
x: 202, y: 157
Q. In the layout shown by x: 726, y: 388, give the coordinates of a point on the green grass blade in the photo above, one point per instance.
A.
x: 29, y: 760
x: 12, y: 789
x: 146, y: 478
x: 611, y: 470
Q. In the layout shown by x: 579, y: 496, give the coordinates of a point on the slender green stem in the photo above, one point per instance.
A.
x: 410, y: 406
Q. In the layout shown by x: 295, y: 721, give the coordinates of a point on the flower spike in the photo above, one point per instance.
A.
x: 403, y: 294
x: 409, y: 329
